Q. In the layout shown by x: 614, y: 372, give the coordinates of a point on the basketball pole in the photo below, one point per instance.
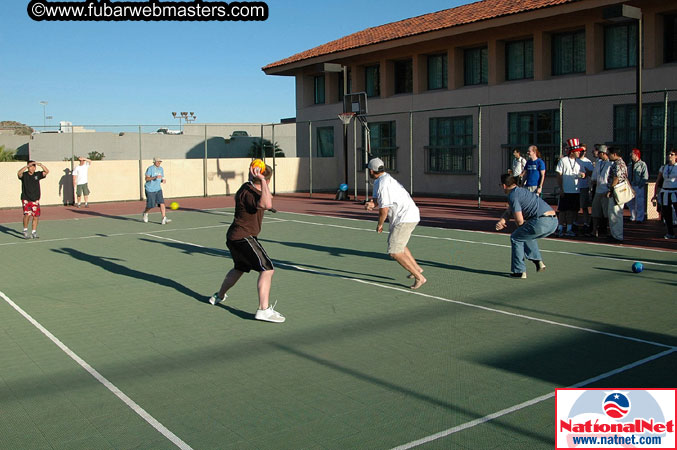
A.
x: 345, y: 128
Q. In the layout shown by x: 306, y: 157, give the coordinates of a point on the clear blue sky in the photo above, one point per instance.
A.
x: 121, y: 73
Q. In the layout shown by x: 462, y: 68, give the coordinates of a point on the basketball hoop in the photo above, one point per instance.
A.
x: 346, y: 117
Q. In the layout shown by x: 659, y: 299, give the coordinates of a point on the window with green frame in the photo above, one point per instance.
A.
x: 540, y: 128
x: 382, y: 143
x: 568, y: 53
x: 325, y: 142
x: 451, y: 145
x: 620, y: 45
x: 476, y: 66
x: 372, y: 81
x: 437, y: 71
x: 519, y: 59
x: 670, y: 38
x: 404, y: 77
x: 653, y: 115
x: 318, y: 86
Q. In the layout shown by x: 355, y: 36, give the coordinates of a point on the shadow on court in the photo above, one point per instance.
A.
x: 341, y: 251
x: 113, y: 267
x: 91, y: 213
x: 193, y: 249
x: 11, y: 232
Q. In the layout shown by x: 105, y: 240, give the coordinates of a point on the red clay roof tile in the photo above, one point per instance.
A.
x: 461, y: 15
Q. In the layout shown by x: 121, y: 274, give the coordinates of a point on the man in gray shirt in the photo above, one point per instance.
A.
x: 535, y: 219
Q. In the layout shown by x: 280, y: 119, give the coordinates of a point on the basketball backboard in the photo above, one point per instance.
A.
x: 355, y: 102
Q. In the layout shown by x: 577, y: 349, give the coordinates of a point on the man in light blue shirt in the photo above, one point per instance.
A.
x: 155, y: 176
x: 535, y: 219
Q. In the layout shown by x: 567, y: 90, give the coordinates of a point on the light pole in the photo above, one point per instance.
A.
x: 622, y: 13
x: 187, y: 116
x: 44, y: 113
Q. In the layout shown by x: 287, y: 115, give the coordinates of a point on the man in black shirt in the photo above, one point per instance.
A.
x: 30, y: 195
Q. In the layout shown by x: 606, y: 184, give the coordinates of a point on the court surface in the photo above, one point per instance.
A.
x: 108, y: 341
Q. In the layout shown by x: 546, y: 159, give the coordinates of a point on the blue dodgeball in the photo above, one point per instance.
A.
x: 343, y: 187
x: 637, y: 267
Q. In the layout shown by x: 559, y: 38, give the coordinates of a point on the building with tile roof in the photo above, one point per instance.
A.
x: 425, y: 78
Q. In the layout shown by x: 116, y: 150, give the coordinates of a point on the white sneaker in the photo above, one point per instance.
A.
x: 269, y: 315
x: 27, y: 236
x: 215, y: 300
x: 165, y: 220
x: 145, y: 217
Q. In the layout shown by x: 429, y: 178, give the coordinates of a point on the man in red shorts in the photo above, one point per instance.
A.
x: 30, y: 195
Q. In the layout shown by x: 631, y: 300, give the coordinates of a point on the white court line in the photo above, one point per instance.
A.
x: 131, y: 233
x: 465, y: 241
x: 492, y: 233
x: 458, y: 302
x: 100, y: 378
x: 670, y: 349
x: 528, y: 403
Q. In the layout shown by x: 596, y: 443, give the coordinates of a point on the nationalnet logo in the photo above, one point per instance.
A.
x: 615, y: 418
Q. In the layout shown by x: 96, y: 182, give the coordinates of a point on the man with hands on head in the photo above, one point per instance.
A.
x: 395, y: 204
x: 30, y: 195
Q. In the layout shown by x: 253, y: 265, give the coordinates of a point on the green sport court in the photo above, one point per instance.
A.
x: 108, y: 341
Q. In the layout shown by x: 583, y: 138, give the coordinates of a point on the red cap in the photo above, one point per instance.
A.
x: 637, y: 152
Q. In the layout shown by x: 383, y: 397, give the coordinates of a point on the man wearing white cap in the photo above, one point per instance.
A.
x: 155, y: 176
x: 395, y: 203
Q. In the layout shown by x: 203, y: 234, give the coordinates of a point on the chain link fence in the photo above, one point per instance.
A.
x: 451, y: 151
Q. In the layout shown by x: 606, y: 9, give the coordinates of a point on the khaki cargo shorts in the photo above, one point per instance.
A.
x: 399, y: 237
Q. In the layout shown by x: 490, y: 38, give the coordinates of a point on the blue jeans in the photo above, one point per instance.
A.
x: 523, y: 240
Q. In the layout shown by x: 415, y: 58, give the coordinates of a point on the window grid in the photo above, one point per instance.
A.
x: 476, y: 69
x: 568, y: 53
x: 437, y: 72
x: 451, y: 146
x: 540, y: 128
x: 519, y: 60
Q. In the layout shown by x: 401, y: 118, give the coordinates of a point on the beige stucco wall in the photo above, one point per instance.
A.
x: 123, y: 180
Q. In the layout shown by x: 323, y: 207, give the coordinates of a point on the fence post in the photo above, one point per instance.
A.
x: 310, y: 156
x: 355, y: 154
x: 561, y: 127
x: 272, y: 127
x: 140, y: 167
x: 665, y: 127
x: 204, y: 165
x: 411, y: 153
x: 479, y: 156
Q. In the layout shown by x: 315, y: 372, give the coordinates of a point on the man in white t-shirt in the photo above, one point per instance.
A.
x: 80, y: 180
x: 569, y: 172
x: 395, y: 204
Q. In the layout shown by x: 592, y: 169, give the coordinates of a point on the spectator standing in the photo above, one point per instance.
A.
x: 30, y: 195
x: 639, y: 177
x: 80, y: 180
x: 569, y: 172
x: 617, y: 174
x: 584, y: 188
x: 155, y: 176
x: 534, y: 171
x: 666, y: 186
x: 517, y: 166
x: 600, y: 204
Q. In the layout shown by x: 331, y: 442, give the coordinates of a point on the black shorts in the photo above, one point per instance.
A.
x: 248, y: 254
x: 570, y: 202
